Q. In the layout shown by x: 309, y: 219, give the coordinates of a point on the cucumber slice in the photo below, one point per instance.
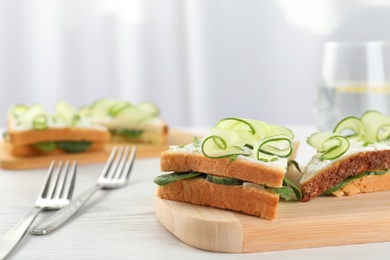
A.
x: 132, y: 114
x: 148, y: 108
x: 224, y: 180
x: 66, y: 113
x: 236, y: 124
x: 26, y: 119
x: 101, y: 106
x: 165, y: 179
x: 217, y: 147
x: 251, y: 130
x: 74, y: 147
x: 278, y: 145
x: 351, y: 124
x: 231, y: 137
x: 85, y: 111
x: 117, y: 107
x: 280, y: 130
x: 373, y: 126
x: 40, y: 122
x: 377, y: 126
x: 18, y: 110
x: 331, y: 145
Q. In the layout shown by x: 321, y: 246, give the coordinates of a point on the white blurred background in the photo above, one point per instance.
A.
x: 198, y: 60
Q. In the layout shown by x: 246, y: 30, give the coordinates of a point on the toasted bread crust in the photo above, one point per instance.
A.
x: 23, y: 138
x: 248, y: 200
x: 341, y: 169
x: 241, y: 169
x: 367, y: 184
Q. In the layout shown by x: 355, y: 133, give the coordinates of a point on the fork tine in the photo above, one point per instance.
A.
x: 115, y: 165
x: 61, y: 180
x: 122, y: 160
x: 70, y: 188
x: 109, y: 162
x: 129, y: 164
x: 65, y: 189
x: 54, y: 182
x: 46, y: 186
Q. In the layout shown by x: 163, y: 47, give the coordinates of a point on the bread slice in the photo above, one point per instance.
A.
x: 248, y: 198
x: 367, y: 184
x: 28, y: 137
x: 319, y: 176
x: 241, y: 168
x: 22, y: 143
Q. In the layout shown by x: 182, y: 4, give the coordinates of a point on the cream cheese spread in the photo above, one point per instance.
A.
x: 154, y: 124
x: 192, y: 148
x: 16, y: 125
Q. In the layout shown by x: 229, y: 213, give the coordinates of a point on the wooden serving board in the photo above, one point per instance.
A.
x: 323, y: 221
x: 7, y: 161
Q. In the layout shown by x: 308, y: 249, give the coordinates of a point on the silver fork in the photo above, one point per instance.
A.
x: 114, y: 175
x: 55, y: 193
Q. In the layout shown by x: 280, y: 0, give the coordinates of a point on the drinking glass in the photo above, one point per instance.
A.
x: 355, y: 78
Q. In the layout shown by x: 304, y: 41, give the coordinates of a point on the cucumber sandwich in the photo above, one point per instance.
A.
x: 354, y: 158
x: 240, y: 165
x: 32, y: 130
x: 137, y: 123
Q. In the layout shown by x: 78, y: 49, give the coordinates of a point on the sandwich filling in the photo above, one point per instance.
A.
x: 285, y: 192
x: 127, y: 122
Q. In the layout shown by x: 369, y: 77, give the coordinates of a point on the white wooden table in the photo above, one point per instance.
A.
x: 121, y: 224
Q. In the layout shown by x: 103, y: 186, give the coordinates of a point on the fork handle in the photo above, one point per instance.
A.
x: 10, y: 240
x: 59, y: 218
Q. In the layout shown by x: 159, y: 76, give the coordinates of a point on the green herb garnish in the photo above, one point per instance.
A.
x: 285, y: 192
x: 296, y: 190
x: 233, y: 157
x: 6, y: 136
x: 295, y: 163
x: 289, y: 190
x: 196, y: 141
